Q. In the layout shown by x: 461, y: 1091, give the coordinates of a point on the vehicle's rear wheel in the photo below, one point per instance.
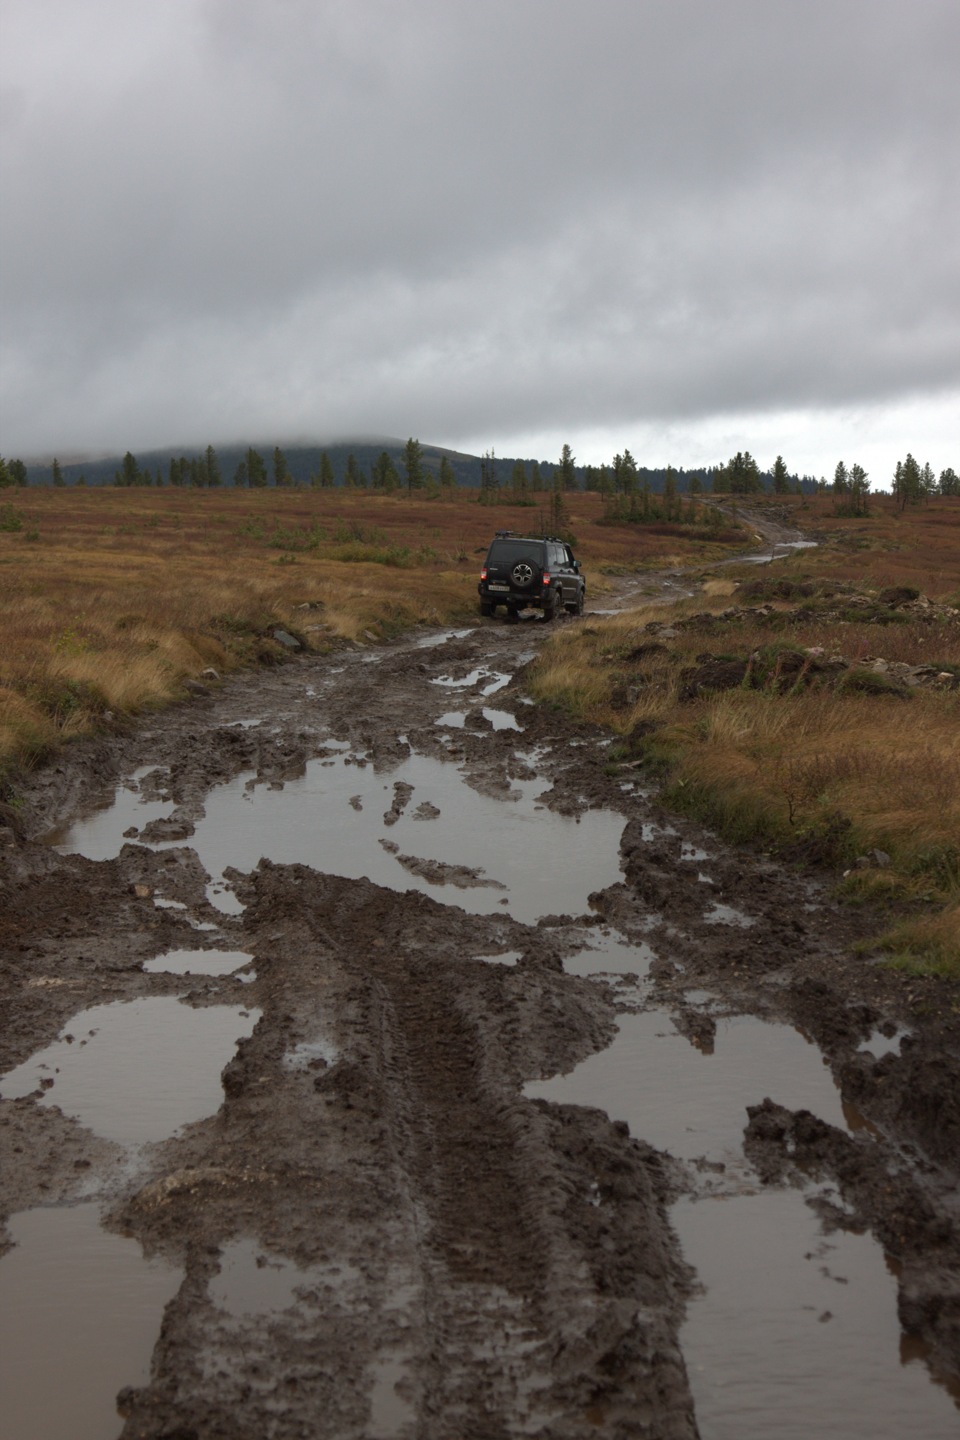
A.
x: 553, y: 604
x: 577, y: 607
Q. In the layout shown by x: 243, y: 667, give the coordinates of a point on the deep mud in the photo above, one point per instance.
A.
x: 379, y: 1231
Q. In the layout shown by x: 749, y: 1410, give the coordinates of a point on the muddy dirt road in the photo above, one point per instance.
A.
x: 377, y: 1060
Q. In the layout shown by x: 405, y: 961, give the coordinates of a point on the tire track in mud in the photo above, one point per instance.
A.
x: 468, y: 1261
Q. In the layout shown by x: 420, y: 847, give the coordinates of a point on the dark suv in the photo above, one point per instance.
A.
x: 524, y: 574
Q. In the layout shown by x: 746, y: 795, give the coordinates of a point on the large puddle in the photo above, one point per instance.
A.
x: 796, y: 1333
x: 135, y: 1072
x: 80, y: 1310
x: 483, y: 853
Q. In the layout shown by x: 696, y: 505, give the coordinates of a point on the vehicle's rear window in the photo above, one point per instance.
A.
x: 505, y: 552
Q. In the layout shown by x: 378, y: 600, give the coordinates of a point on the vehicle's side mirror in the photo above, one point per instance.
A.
x: 576, y: 566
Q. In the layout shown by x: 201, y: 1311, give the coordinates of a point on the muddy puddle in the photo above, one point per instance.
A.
x: 135, y: 1072
x: 444, y: 838
x: 80, y: 1310
x: 792, y: 1330
x: 795, y: 1332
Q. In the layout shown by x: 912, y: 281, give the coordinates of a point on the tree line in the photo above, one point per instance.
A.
x: 622, y: 482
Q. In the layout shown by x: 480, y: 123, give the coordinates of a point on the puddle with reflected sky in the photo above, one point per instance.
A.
x: 80, y: 1312
x: 796, y: 1334
x: 332, y: 819
x: 136, y: 1071
x: 198, y: 962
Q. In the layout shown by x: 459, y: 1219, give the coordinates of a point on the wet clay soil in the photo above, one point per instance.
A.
x: 382, y: 1228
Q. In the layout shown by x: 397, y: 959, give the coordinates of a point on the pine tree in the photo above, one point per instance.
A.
x: 212, y: 466
x: 781, y: 480
x: 281, y: 472
x: 518, y: 481
x: 256, y: 470
x: 567, y: 469
x: 6, y: 479
x: 742, y: 474
x: 57, y: 474
x: 907, y: 483
x: 240, y: 476
x: 488, y: 477
x: 326, y: 471
x: 18, y: 471
x: 352, y: 478
x: 536, y: 482
x: 859, y: 487
x: 413, y: 465
x: 949, y: 481
x: 841, y: 479
x: 448, y: 479
x: 129, y: 472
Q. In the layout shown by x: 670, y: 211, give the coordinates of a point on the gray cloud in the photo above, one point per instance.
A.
x: 229, y: 217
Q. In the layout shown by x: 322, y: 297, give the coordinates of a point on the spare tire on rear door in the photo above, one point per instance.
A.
x: 525, y: 574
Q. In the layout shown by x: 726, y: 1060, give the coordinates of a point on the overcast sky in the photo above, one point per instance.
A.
x: 682, y: 226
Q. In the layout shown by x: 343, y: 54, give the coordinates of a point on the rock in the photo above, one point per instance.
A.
x: 283, y: 637
x: 142, y: 892
x: 369, y: 635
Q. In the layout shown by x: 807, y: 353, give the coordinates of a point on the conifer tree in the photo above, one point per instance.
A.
x: 907, y: 482
x: 781, y: 480
x: 281, y: 472
x: 413, y: 465
x: 212, y: 465
x: 949, y: 481
x: 448, y: 479
x: 567, y: 470
x: 57, y: 473
x: 256, y: 470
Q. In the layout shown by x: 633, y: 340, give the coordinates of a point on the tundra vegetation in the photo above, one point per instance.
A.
x: 811, y: 708
x: 117, y: 598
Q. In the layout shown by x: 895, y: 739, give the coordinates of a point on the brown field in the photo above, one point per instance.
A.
x: 919, y: 546
x: 819, y: 771
x: 113, y: 598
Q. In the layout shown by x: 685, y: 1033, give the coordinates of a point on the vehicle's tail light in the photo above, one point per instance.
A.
x: 483, y: 573
x: 546, y: 577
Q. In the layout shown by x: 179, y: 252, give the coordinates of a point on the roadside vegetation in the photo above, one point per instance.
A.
x: 812, y: 708
x: 118, y: 599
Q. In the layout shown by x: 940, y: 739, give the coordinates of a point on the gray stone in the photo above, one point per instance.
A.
x: 283, y: 637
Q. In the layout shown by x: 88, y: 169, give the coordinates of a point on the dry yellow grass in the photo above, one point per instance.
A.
x: 812, y: 771
x: 110, y: 599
